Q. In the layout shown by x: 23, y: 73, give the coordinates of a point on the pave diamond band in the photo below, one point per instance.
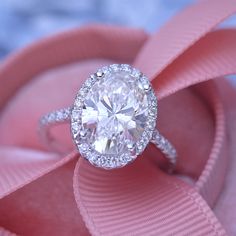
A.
x: 112, y: 119
x: 47, y: 121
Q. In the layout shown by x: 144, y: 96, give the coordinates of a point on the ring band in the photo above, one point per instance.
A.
x: 112, y: 119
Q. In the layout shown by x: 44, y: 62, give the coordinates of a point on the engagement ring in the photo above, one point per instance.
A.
x: 113, y: 118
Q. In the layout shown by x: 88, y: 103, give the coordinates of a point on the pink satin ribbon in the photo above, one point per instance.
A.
x: 126, y: 202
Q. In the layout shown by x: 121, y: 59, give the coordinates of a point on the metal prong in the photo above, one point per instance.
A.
x: 130, y: 145
x: 83, y: 133
x: 146, y: 87
x: 99, y: 74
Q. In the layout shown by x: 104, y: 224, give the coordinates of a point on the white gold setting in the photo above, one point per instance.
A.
x: 113, y: 118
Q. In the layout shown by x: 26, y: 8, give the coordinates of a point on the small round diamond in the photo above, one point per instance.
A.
x: 115, y: 113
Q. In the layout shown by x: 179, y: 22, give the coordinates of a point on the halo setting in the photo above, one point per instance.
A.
x: 114, y: 116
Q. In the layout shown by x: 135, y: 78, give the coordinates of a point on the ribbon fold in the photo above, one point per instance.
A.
x: 138, y: 199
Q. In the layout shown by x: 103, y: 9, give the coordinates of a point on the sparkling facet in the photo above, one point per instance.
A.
x: 115, y: 112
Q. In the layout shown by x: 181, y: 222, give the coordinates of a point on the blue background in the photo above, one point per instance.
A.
x: 24, y: 21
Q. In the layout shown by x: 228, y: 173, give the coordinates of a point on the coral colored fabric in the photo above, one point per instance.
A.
x: 43, y: 193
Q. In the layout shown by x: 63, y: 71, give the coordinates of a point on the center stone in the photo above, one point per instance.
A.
x: 114, y: 113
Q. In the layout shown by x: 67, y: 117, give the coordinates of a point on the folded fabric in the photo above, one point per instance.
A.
x: 43, y: 193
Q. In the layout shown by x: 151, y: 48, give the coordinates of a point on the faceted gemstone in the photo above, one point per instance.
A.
x: 115, y: 112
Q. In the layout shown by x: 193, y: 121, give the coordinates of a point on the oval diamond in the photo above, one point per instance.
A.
x: 115, y: 112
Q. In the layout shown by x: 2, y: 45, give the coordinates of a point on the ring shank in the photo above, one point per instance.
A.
x: 64, y: 115
x: 166, y: 148
x: 49, y: 120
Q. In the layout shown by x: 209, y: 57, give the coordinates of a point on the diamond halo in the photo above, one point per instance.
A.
x: 134, y: 126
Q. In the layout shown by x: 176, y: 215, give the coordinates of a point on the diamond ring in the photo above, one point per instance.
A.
x: 113, y: 118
